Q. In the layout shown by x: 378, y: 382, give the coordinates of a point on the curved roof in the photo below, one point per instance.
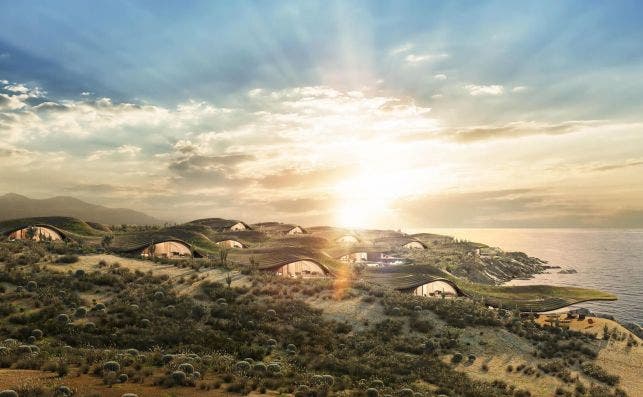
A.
x: 133, y: 243
x: 397, y: 241
x: 230, y: 239
x: 277, y: 227
x: 219, y: 223
x: 62, y: 233
x: 404, y: 281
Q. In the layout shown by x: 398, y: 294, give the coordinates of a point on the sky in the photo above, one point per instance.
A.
x: 354, y: 113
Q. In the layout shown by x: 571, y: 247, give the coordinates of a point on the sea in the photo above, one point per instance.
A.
x: 605, y: 259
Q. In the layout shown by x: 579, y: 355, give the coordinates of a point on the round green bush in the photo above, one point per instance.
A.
x: 396, y: 311
x: 291, y: 347
x: 260, y: 367
x: 406, y: 392
x: 328, y: 380
x: 471, y: 358
x: 196, y: 375
x: 112, y: 366
x: 271, y: 342
x: 274, y: 368
x: 132, y: 352
x: 99, y: 306
x: 89, y: 326
x: 376, y: 383
x: 271, y: 313
x: 36, y: 333
x: 187, y: 368
x: 146, y: 323
x: 8, y: 393
x: 418, y: 308
x: 3, y: 350
x: 63, y: 391
x: 79, y: 273
x: 372, y: 392
x: 249, y: 360
x: 31, y: 286
x: 221, y: 301
x: 316, y: 379
x: 80, y: 312
x: 457, y: 357
x: 167, y: 358
x: 159, y: 295
x: 62, y: 318
x: 179, y: 377
x: 24, y: 349
x: 34, y: 349
x: 31, y: 339
x: 129, y: 395
x: 122, y: 378
x: 242, y: 366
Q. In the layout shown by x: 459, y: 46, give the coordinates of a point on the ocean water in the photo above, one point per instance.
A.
x: 610, y: 260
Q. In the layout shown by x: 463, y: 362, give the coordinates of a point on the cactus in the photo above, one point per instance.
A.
x: 187, y: 368
x: 242, y: 366
x: 63, y: 391
x: 112, y: 366
x: 31, y: 286
x: 62, y: 318
x: 179, y: 377
x: 80, y: 312
x: 406, y: 392
x: 274, y: 368
x: 371, y: 392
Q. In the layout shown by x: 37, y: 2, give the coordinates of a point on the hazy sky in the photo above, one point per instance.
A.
x: 391, y: 114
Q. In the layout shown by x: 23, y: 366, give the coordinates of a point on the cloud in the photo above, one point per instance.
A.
x: 124, y: 150
x: 484, y: 90
x: 401, y: 49
x: 519, y: 129
x: 440, y: 76
x: 618, y: 165
x: 414, y: 59
x: 520, y: 88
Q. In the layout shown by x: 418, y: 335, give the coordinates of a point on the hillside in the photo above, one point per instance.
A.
x: 17, y: 206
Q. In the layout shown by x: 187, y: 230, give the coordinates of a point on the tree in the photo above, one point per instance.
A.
x: 31, y: 232
x: 228, y: 280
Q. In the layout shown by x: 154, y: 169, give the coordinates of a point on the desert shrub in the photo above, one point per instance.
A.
x: 63, y: 391
x: 406, y: 393
x: 67, y: 259
x: 187, y: 368
x: 31, y: 286
x: 99, y: 306
x: 79, y: 273
x: 112, y: 366
x: 457, y: 357
x: 63, y: 318
x: 122, y: 378
x: 242, y: 366
x: 371, y: 392
x: 8, y: 393
x: 179, y: 377
x: 80, y: 312
x: 597, y: 372
x: 36, y: 333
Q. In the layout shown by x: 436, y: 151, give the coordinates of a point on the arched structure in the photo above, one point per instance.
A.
x: 436, y: 288
x: 304, y: 268
x: 37, y: 233
x: 414, y: 245
x: 296, y: 230
x: 347, y: 239
x: 230, y: 243
x: 168, y: 249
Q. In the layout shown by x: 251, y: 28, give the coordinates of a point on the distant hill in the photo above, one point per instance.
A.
x: 16, y: 206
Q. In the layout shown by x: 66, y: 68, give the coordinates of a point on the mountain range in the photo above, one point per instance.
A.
x: 14, y: 205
